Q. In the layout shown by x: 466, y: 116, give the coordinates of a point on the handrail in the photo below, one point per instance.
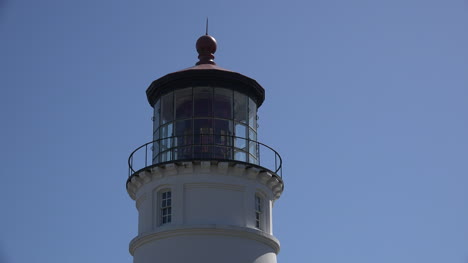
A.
x: 230, y: 146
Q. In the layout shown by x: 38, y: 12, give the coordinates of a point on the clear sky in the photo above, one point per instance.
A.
x: 366, y: 101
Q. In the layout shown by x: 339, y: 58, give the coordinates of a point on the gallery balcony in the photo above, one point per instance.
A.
x: 205, y: 147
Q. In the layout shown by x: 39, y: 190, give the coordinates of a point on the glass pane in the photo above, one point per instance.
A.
x: 184, y: 137
x: 183, y: 128
x: 252, y: 135
x: 221, y: 152
x: 167, y: 108
x: 253, y: 159
x: 183, y: 103
x: 240, y: 156
x: 203, y: 99
x: 166, y: 144
x: 156, y: 134
x: 184, y: 152
x: 202, y: 126
x: 155, y: 152
x: 202, y: 152
x: 240, y: 141
x: 157, y: 115
x: 166, y: 131
x: 166, y: 156
x: 223, y: 103
x: 240, y: 107
x: 252, y: 114
x: 253, y: 149
x: 169, y: 156
x: 156, y: 146
x: 223, y: 131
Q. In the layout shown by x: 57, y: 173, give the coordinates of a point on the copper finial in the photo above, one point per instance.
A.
x: 206, y: 47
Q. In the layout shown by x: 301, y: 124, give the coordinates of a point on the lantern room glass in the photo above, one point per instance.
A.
x: 205, y: 123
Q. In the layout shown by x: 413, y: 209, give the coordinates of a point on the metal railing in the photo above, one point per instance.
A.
x: 205, y: 147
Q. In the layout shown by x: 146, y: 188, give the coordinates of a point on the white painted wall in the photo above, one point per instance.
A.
x: 213, y: 215
x: 205, y: 249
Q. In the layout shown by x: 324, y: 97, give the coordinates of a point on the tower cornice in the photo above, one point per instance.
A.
x: 226, y: 168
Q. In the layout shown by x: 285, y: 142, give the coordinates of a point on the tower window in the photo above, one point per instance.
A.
x: 166, y: 207
x: 258, y: 211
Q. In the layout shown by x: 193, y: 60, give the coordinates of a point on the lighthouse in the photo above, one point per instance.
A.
x: 204, y: 187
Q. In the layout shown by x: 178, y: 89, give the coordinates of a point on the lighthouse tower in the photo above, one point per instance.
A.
x: 205, y: 187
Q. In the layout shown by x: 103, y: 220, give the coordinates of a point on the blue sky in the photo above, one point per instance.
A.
x: 366, y: 101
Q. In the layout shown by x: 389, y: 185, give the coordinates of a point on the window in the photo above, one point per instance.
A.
x: 165, y: 207
x: 258, y: 212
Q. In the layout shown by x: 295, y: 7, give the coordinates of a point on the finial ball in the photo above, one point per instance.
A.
x: 206, y: 44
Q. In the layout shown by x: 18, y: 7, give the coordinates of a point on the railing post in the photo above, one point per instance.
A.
x: 131, y: 166
x: 259, y: 154
x: 276, y: 165
x: 146, y: 155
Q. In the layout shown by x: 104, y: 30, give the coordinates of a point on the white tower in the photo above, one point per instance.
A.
x: 204, y: 187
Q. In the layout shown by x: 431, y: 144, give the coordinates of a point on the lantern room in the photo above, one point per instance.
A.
x: 205, y: 122
x: 205, y: 112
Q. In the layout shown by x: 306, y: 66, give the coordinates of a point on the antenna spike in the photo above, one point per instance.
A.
x: 206, y: 32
